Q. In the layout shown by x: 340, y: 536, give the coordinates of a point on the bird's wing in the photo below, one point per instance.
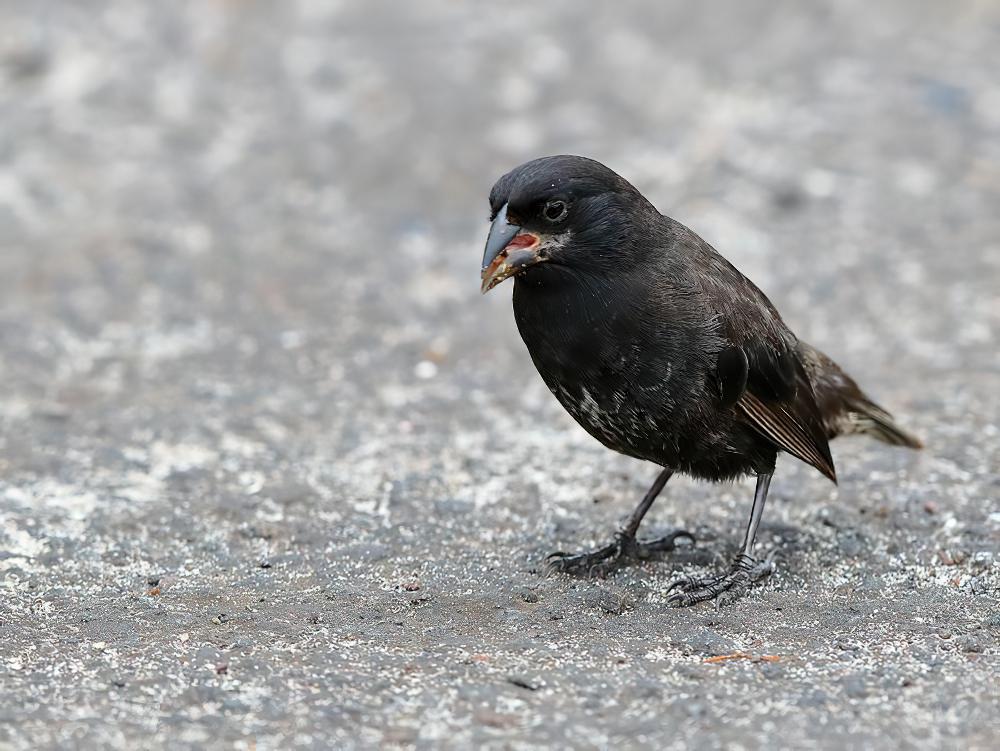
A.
x: 772, y: 389
x: 779, y: 402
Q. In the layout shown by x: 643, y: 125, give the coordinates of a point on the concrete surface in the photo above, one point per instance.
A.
x: 274, y: 475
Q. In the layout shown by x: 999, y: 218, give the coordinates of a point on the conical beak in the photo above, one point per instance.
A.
x: 508, y: 251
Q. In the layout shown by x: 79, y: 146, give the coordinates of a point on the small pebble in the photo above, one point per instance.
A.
x: 523, y: 682
x: 971, y: 643
x: 528, y: 595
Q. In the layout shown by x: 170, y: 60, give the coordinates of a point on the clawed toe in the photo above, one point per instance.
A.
x: 593, y: 564
x: 665, y: 544
x: 601, y: 562
x: 682, y: 584
x: 724, y: 588
x: 554, y: 562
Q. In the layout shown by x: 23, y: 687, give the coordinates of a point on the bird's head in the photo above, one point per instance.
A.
x: 563, y: 210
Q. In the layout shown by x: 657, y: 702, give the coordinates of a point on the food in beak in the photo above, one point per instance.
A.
x: 515, y: 255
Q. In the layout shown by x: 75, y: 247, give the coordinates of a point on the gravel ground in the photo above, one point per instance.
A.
x: 274, y: 474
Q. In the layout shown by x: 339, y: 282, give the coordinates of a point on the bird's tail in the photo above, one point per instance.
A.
x: 845, y: 408
x: 867, y: 418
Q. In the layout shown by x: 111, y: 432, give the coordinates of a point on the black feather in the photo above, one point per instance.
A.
x: 731, y: 370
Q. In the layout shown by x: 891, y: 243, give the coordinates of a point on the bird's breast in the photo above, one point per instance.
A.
x: 612, y: 377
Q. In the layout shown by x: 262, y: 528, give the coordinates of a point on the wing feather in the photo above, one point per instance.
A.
x: 788, y: 432
x: 780, y: 403
x: 776, y: 396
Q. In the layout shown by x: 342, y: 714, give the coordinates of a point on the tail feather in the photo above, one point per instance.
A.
x: 870, y: 419
x: 845, y: 407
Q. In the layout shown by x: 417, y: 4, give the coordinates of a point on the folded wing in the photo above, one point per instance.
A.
x: 779, y: 403
x: 773, y: 390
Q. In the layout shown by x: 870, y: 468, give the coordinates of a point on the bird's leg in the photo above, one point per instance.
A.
x: 745, y: 570
x: 625, y: 545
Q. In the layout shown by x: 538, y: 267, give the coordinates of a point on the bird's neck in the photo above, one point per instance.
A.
x: 552, y: 287
x: 560, y: 311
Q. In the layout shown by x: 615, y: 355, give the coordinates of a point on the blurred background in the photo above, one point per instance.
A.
x: 251, y: 394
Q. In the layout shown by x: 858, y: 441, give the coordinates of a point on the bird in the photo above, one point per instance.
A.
x: 663, y: 351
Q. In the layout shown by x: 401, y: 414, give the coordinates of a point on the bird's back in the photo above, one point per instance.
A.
x: 794, y: 393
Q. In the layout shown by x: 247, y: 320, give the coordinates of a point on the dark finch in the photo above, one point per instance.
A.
x: 662, y: 350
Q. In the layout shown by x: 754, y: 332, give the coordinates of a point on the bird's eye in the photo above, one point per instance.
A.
x: 555, y: 211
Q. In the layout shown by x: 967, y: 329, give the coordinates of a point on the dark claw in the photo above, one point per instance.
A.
x: 684, y: 582
x: 580, y: 563
x: 601, y: 562
x: 665, y: 544
x: 724, y: 588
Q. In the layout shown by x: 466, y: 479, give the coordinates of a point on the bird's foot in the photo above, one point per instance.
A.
x: 599, y: 563
x: 723, y: 588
